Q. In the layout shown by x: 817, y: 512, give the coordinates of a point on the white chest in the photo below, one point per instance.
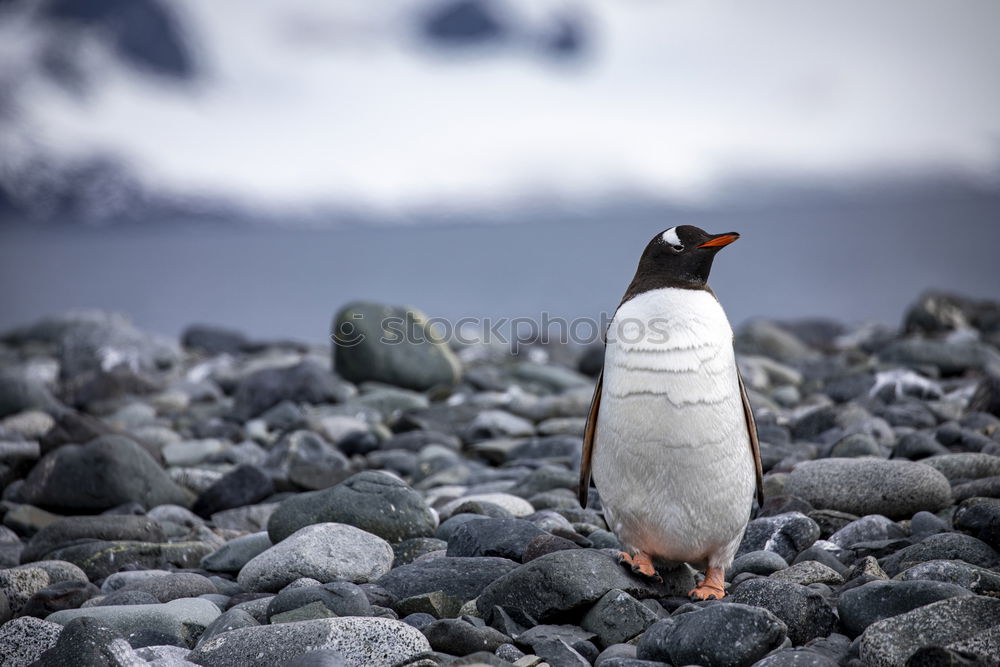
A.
x: 672, y: 454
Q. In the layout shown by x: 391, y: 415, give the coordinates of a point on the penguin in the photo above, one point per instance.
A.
x: 670, y: 439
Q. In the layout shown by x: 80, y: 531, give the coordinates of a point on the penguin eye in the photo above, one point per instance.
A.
x: 677, y: 248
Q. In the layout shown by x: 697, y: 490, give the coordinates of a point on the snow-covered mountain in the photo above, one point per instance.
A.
x: 313, y: 111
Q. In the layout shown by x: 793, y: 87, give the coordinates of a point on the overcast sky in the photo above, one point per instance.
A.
x: 307, y: 101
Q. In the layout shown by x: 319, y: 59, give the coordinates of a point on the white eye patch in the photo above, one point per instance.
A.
x: 670, y: 237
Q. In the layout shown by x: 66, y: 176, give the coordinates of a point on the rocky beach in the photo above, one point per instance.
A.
x: 220, y: 500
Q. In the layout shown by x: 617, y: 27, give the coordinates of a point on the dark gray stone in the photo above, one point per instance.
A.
x: 874, y: 601
x: 806, y: 613
x: 173, y: 586
x: 979, y: 580
x: 457, y: 637
x: 757, y: 562
x: 463, y: 578
x: 342, y: 598
x: 72, y: 530
x: 718, y: 635
x: 244, y: 485
x: 617, y: 617
x: 892, y: 641
x: 784, y: 534
x: 58, y: 596
x: 375, y: 342
x: 556, y: 585
x: 503, y: 538
x: 373, y: 501
x: 308, y: 461
x: 104, y: 473
x: 409, y: 550
x: 306, y: 382
x: 947, y: 546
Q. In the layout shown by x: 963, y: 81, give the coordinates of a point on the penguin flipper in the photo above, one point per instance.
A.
x: 588, y: 440
x: 754, y: 442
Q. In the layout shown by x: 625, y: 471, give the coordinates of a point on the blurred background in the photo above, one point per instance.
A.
x: 256, y: 165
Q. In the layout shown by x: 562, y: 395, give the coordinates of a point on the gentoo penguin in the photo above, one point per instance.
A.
x: 670, y: 437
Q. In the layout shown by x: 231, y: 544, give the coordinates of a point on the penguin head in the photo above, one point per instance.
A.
x: 682, y: 256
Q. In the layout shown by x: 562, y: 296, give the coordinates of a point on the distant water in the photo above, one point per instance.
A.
x: 851, y: 263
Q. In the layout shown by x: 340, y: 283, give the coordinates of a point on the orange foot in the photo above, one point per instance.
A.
x: 712, y: 587
x: 641, y: 564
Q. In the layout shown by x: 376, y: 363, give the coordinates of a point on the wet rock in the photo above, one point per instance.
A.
x: 806, y: 613
x: 714, y: 636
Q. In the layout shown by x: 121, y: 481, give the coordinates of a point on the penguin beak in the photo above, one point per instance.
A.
x: 720, y: 240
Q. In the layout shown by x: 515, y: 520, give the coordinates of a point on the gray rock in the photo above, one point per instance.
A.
x: 809, y: 572
x: 806, y: 613
x: 340, y: 598
x: 237, y: 552
x: 373, y: 501
x: 557, y: 584
x: 105, y: 473
x: 979, y: 580
x: 617, y: 617
x: 102, y: 558
x: 890, y: 642
x: 244, y: 485
x: 796, y: 657
x: 87, y: 641
x: 23, y: 640
x: 855, y: 445
x: 757, y: 562
x: 308, y: 461
x: 306, y: 382
x: 323, y: 551
x: 720, y: 635
x: 860, y: 607
x: 121, y: 598
x: 67, y: 531
x: 57, y: 596
x: 410, y: 550
x: 897, y: 489
x: 950, y: 358
x: 946, y: 546
x: 504, y: 538
x: 784, y: 534
x: 458, y: 637
x: 375, y: 342
x: 869, y: 528
x: 18, y: 393
x: 228, y: 620
x: 20, y: 584
x: 362, y: 642
x: 173, y: 586
x: 120, y: 580
x: 463, y: 578
x: 186, y: 618
x: 436, y: 604
x: 968, y: 465
x: 918, y: 445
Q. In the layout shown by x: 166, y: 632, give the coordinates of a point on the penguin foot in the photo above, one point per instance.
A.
x: 641, y: 564
x: 712, y: 587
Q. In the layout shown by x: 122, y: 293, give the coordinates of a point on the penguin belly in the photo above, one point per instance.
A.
x: 672, y: 459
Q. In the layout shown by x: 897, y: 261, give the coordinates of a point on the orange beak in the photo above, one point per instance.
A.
x: 720, y: 240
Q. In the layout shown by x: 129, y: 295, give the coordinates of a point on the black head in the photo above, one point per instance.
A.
x: 678, y: 257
